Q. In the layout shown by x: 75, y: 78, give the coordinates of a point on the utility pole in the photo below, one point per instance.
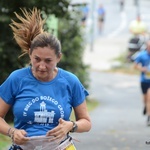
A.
x: 92, y: 26
x: 136, y: 2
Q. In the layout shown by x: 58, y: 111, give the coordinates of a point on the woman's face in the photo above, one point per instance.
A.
x: 44, y: 62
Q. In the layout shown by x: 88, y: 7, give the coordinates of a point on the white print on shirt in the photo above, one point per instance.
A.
x: 43, y: 116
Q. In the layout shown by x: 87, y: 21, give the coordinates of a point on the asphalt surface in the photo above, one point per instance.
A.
x: 118, y: 122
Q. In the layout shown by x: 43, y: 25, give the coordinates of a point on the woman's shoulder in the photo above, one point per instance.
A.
x: 20, y: 72
x: 17, y: 76
x: 69, y: 76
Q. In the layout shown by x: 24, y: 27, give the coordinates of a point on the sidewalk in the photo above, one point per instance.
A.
x: 104, y: 51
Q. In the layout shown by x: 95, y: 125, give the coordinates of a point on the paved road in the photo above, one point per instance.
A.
x: 118, y: 123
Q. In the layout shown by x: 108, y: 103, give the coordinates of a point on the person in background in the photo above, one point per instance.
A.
x: 142, y: 63
x: 101, y: 17
x: 85, y: 13
x: 138, y: 38
x: 138, y: 27
x: 121, y: 5
x: 41, y: 95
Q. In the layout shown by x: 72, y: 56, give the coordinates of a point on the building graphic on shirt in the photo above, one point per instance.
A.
x: 43, y: 116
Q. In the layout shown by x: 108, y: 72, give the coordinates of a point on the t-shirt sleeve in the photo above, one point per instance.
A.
x: 137, y: 59
x: 8, y: 89
x: 79, y: 93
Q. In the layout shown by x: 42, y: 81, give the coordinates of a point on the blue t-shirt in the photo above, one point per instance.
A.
x: 143, y: 58
x: 101, y: 11
x: 37, y: 106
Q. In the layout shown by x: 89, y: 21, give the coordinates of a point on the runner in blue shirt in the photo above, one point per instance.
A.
x: 42, y: 95
x: 101, y: 17
x: 142, y: 63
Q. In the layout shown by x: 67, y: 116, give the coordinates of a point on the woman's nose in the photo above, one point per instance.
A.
x: 42, y: 65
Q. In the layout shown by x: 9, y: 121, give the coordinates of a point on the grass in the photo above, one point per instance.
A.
x: 5, y: 141
x: 126, y: 69
x: 92, y: 104
x: 124, y: 66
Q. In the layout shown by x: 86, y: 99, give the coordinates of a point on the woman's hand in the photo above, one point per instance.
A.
x: 19, y: 137
x: 61, y: 130
x: 144, y: 69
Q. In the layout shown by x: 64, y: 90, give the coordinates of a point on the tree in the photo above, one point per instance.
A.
x: 73, y: 43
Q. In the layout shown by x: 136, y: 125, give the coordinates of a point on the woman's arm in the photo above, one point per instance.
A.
x: 18, y: 136
x: 4, y: 127
x: 82, y: 118
x: 139, y: 67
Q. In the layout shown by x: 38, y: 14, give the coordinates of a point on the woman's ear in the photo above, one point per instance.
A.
x: 59, y: 57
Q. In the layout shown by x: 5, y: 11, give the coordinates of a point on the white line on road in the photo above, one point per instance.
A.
x: 121, y: 26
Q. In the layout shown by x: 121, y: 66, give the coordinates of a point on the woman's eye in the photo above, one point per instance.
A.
x: 47, y: 61
x: 37, y: 59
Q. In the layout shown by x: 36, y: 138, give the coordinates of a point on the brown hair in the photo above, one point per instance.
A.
x: 46, y: 40
x: 28, y: 28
